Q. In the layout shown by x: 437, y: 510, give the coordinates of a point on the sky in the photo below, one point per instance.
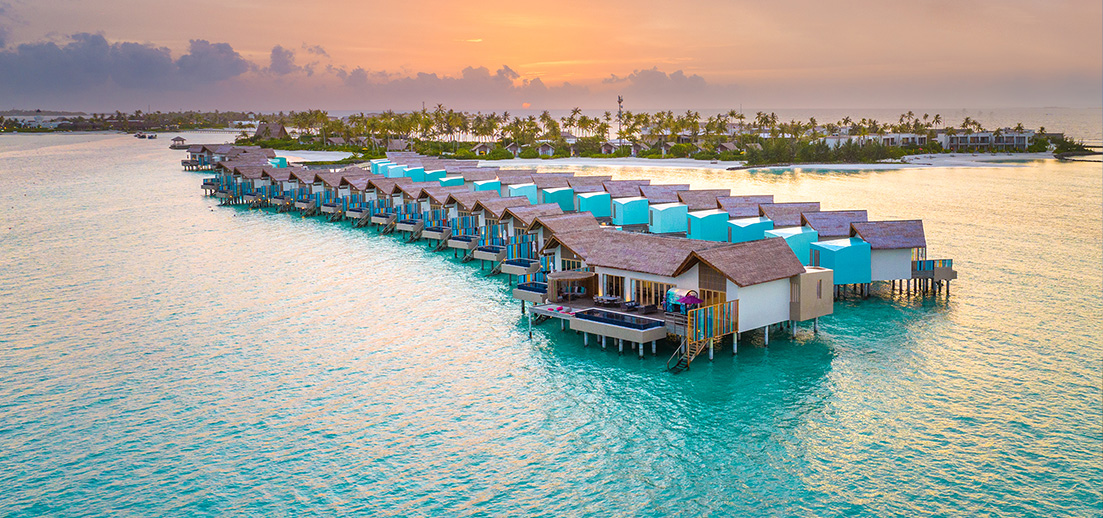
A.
x: 490, y: 55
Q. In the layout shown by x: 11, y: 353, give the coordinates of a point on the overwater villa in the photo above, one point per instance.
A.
x: 786, y: 218
x: 636, y: 264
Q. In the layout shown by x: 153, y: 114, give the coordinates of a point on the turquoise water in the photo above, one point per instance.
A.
x: 160, y: 355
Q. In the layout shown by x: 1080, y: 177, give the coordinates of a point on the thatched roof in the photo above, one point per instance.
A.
x: 467, y: 200
x: 331, y: 179
x: 304, y: 175
x: 632, y: 251
x: 891, y: 235
x: 754, y: 199
x: 514, y: 179
x: 833, y: 223
x: 359, y: 183
x: 251, y: 172
x: 549, y: 182
x: 386, y: 185
x: 279, y: 174
x: 787, y: 214
x: 742, y: 211
x: 439, y: 194
x: 525, y: 214
x: 662, y: 193
x: 564, y: 223
x: 624, y: 188
x: 570, y: 275
x: 588, y: 182
x: 495, y: 207
x: 478, y: 175
x: 703, y: 199
x: 414, y: 189
x: 743, y: 206
x: 749, y: 263
x: 270, y: 130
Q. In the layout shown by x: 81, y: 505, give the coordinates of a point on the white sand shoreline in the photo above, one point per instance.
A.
x: 911, y: 161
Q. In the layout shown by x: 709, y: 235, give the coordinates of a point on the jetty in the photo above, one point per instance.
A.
x: 625, y: 263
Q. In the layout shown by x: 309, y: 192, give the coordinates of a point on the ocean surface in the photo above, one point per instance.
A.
x: 164, y: 356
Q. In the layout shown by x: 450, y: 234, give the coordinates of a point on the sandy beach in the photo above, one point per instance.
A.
x: 911, y: 161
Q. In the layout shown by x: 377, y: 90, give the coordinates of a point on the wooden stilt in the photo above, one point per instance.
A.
x: 766, y: 334
x: 620, y: 346
x: 640, y: 347
x: 602, y: 342
x: 585, y: 339
x: 653, y: 347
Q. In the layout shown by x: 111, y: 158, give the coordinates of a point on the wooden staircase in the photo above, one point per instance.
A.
x: 389, y: 227
x: 416, y: 234
x: 685, y: 354
x: 469, y: 257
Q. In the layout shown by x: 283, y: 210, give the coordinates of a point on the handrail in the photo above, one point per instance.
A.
x: 677, y: 353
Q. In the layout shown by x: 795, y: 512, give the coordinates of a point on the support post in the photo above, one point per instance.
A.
x: 585, y: 339
x: 620, y: 346
x: 766, y: 333
x: 530, y: 320
x: 602, y: 342
x: 710, y: 349
x: 653, y: 347
x: 640, y: 347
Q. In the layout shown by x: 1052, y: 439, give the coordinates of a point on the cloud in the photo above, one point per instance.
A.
x: 208, y: 62
x: 282, y: 61
x: 315, y: 49
x: 4, y: 8
x: 88, y: 61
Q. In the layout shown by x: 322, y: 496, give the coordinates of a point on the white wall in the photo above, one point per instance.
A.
x: 887, y: 265
x: 763, y: 304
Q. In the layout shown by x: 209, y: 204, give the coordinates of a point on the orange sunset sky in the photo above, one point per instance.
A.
x: 280, y: 54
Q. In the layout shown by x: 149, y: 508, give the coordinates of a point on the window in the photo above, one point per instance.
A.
x: 689, y: 226
x: 651, y: 292
x: 650, y: 217
x: 614, y: 286
x: 571, y: 264
x: 819, y: 289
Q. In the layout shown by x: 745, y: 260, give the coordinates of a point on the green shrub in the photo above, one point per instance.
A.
x: 498, y: 154
x: 679, y: 151
x: 705, y: 155
x: 464, y: 154
x: 529, y: 153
